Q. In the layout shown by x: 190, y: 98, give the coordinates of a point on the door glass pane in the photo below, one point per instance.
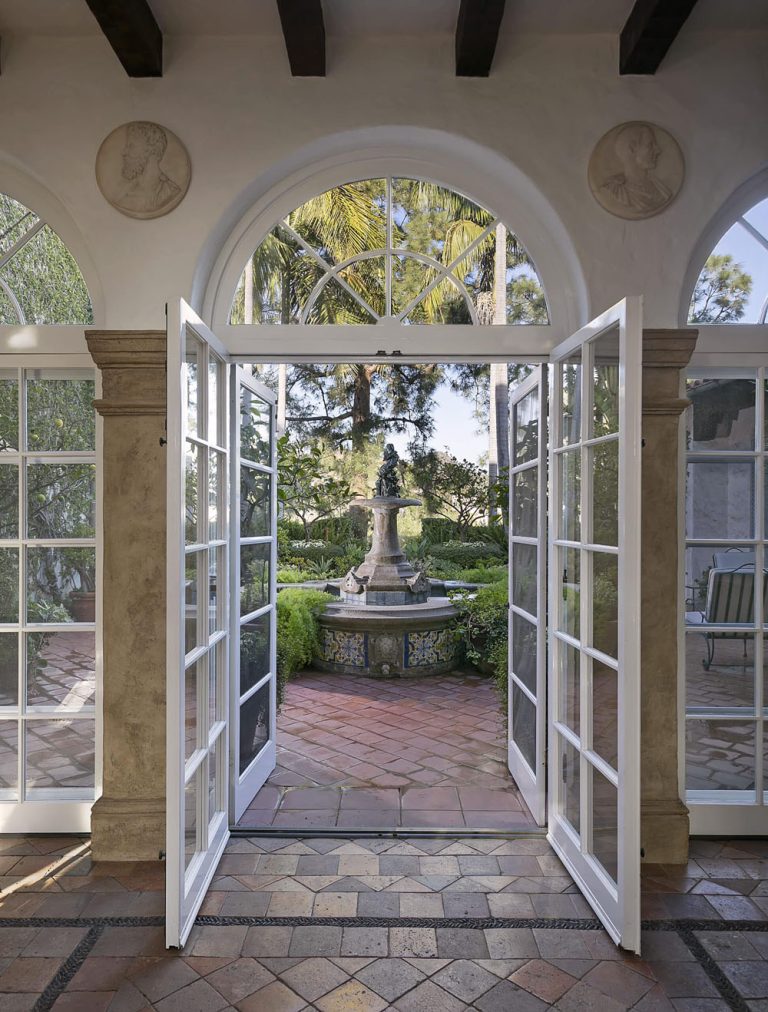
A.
x: 192, y: 499
x: 524, y: 577
x: 217, y: 487
x: 9, y: 410
x: 570, y: 590
x: 721, y: 499
x: 524, y: 725
x: 191, y: 564
x: 720, y: 669
x: 604, y: 467
x: 525, y: 493
x: 214, y: 434
x: 570, y: 681
x: 56, y: 580
x: 61, y: 500
x: 571, y: 392
x: 60, y: 415
x: 720, y: 755
x: 721, y: 415
x: 605, y: 712
x: 255, y: 427
x: 255, y: 503
x: 526, y: 429
x: 570, y: 494
x: 605, y: 822
x: 9, y: 500
x: 605, y: 603
x: 605, y: 396
x: 213, y: 684
x: 570, y: 795
x: 190, y: 820
x: 213, y: 778
x: 60, y: 753
x: 9, y: 668
x: 9, y: 756
x: 61, y: 669
x: 191, y: 675
x: 524, y: 635
x: 254, y: 651
x: 213, y: 592
x: 191, y: 378
x: 254, y: 577
x: 9, y: 585
x: 254, y: 725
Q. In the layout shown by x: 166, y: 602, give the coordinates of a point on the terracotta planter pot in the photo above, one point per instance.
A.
x: 82, y: 605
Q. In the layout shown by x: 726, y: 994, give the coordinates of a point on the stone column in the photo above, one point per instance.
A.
x: 664, y: 817
x: 128, y: 820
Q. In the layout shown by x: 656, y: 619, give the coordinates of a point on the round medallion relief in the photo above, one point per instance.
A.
x: 143, y: 169
x: 636, y: 170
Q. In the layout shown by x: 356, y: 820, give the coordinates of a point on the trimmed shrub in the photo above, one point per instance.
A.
x: 483, y: 574
x: 314, y: 550
x: 467, y: 553
x: 482, y: 627
x: 298, y: 631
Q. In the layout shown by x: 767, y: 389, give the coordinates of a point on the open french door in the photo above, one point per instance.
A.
x: 594, y: 614
x: 527, y: 711
x: 252, y: 588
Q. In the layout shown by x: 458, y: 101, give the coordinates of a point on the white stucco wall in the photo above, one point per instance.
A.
x: 233, y: 103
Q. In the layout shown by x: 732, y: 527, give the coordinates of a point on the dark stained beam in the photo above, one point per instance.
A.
x: 650, y: 30
x: 477, y: 31
x: 133, y: 33
x: 304, y: 33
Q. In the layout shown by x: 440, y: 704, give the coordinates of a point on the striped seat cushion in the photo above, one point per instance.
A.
x: 731, y: 596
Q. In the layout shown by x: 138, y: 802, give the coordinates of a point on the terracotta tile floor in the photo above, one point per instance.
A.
x: 370, y: 924
x: 374, y: 753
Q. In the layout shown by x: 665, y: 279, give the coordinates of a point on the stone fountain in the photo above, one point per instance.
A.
x: 386, y: 623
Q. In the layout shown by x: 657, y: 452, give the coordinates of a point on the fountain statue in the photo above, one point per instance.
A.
x: 386, y: 623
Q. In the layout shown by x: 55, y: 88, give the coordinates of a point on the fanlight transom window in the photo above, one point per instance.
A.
x: 40, y: 281
x: 400, y: 249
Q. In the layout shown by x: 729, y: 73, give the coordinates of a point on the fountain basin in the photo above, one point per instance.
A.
x: 388, y: 641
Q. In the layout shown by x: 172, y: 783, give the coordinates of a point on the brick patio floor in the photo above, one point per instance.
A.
x: 415, y: 925
x: 374, y: 753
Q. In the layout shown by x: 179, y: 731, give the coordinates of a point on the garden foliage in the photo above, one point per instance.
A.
x: 298, y: 631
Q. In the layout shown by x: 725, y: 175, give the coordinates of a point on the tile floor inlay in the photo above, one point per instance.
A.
x: 416, y: 925
x: 384, y: 753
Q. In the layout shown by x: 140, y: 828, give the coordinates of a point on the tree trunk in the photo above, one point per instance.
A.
x: 361, y: 405
x: 498, y: 422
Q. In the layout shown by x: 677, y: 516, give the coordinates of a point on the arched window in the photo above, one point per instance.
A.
x: 40, y: 281
x: 732, y: 286
x: 405, y: 250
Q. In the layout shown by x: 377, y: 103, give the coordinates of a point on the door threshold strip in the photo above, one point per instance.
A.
x: 338, y: 832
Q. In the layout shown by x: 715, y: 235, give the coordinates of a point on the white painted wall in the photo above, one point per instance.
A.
x: 242, y: 117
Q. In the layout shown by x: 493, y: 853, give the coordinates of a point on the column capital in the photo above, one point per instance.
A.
x: 665, y: 353
x: 132, y: 364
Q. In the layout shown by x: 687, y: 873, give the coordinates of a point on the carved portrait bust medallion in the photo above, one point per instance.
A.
x: 636, y: 170
x: 143, y: 169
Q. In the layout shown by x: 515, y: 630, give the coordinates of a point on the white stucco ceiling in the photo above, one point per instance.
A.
x: 368, y: 17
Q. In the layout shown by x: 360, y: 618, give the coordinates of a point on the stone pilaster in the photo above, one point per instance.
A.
x: 128, y: 820
x: 664, y: 817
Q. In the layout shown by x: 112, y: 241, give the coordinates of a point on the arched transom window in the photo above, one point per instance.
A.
x: 398, y: 249
x: 40, y: 281
x: 733, y: 284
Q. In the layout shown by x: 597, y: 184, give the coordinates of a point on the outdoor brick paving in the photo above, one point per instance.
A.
x: 374, y: 753
x: 82, y: 936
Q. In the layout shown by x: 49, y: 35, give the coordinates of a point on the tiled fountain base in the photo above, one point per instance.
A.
x: 371, y: 753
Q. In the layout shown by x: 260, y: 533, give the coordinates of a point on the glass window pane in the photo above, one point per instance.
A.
x: 9, y: 410
x: 605, y: 391
x: 217, y: 487
x: 570, y: 681
x: 9, y: 501
x: 571, y: 409
x: 524, y: 725
x: 525, y: 493
x: 61, y: 500
x: 569, y: 620
x: 9, y: 669
x: 213, y: 779
x: 192, y: 564
x: 255, y: 427
x: 60, y: 584
x: 214, y: 667
x: 570, y: 792
x: 721, y: 415
x: 719, y: 670
x: 254, y: 577
x: 720, y: 755
x: 60, y: 753
x: 9, y: 585
x: 366, y: 277
x: 60, y: 414
x: 524, y: 635
x: 191, y: 377
x: 524, y: 577
x: 255, y: 503
x: 9, y: 756
x: 605, y: 712
x: 254, y: 725
x: 192, y: 497
x: 214, y: 434
x: 720, y: 499
x: 525, y: 443
x: 191, y: 675
x: 215, y: 601
x: 61, y: 669
x: 570, y: 494
x: 254, y: 651
x: 335, y: 304
x: 605, y: 603
x: 190, y: 819
x: 719, y: 585
x: 604, y: 466
x: 605, y: 823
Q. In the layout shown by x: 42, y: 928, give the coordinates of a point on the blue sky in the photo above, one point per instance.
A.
x: 752, y: 256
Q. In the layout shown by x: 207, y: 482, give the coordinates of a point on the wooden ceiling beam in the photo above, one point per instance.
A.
x: 304, y: 33
x: 133, y: 33
x: 651, y: 28
x: 477, y: 32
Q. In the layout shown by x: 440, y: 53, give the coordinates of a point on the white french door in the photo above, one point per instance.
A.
x: 198, y: 628
x: 527, y: 712
x: 253, y: 592
x: 594, y: 613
